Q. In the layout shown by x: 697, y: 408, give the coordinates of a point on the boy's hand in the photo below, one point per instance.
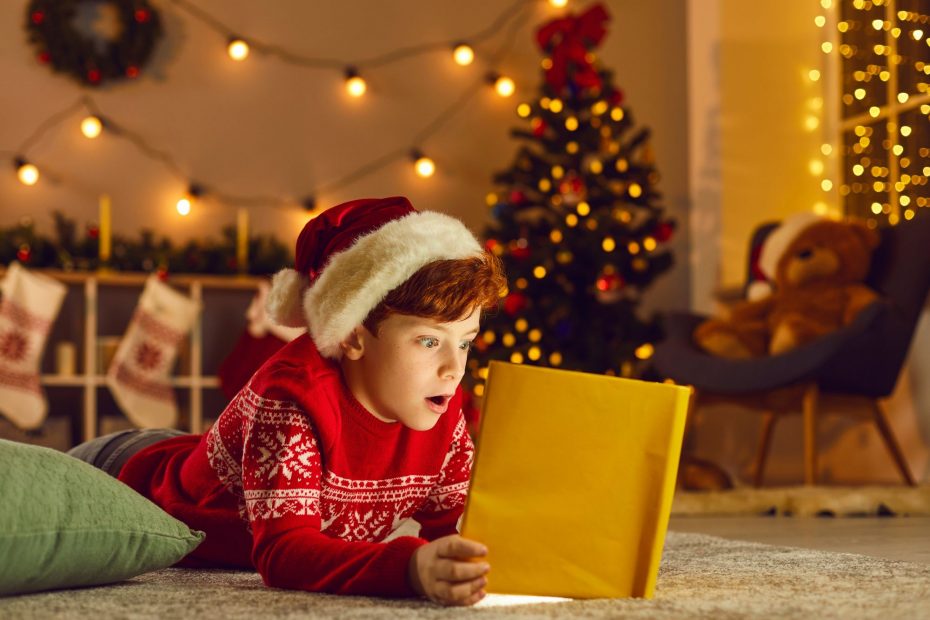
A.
x: 441, y: 571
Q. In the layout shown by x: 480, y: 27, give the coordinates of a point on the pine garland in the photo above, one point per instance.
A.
x: 70, y: 251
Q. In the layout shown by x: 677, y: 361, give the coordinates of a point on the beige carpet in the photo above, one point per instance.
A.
x: 804, y: 501
x: 701, y: 577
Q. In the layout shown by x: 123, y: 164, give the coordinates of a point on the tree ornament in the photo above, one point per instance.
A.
x: 609, y: 287
x: 90, y: 58
x: 514, y: 303
x: 539, y: 127
x: 664, y: 231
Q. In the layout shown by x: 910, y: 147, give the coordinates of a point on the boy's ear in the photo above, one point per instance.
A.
x: 353, y: 346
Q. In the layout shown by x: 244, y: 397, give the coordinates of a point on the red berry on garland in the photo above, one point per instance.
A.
x: 514, y: 303
x: 132, y: 72
x: 663, y: 231
x: 616, y: 97
x: 517, y: 197
x: 24, y: 253
x: 142, y: 16
x: 38, y: 17
x: 44, y: 57
x: 93, y: 76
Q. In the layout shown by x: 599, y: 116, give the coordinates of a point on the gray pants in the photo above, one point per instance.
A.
x: 111, y: 452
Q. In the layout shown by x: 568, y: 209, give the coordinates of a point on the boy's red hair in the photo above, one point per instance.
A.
x: 444, y: 291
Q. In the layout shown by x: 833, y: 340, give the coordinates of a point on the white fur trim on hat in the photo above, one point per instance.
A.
x: 358, y: 278
x: 284, y: 303
x: 780, y: 238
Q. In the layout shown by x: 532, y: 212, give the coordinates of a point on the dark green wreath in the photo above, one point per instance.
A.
x: 50, y: 24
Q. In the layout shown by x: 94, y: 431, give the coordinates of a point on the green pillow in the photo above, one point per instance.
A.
x: 64, y: 523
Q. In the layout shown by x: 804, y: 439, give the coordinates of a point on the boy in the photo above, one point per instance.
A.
x: 348, y: 430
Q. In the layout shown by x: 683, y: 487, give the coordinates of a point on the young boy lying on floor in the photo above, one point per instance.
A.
x: 348, y: 430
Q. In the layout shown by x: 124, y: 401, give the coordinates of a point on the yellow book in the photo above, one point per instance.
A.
x: 573, y: 481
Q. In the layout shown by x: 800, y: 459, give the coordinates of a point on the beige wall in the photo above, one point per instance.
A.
x: 766, y: 52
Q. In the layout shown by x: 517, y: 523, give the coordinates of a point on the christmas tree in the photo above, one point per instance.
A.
x: 577, y: 221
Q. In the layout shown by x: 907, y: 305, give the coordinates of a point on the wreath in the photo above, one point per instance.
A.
x: 51, y: 28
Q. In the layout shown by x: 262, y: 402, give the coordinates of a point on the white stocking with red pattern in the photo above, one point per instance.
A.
x: 139, y: 375
x: 29, y: 305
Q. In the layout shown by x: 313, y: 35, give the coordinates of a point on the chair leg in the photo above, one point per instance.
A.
x: 765, y: 442
x: 809, y: 408
x: 884, y: 429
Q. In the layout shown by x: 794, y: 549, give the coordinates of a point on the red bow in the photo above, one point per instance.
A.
x: 568, y: 41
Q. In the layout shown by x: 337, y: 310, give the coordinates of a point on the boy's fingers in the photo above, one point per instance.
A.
x: 462, y: 592
x: 449, y: 570
x: 457, y: 547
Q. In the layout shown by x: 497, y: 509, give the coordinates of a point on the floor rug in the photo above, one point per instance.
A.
x: 701, y: 577
x: 805, y: 501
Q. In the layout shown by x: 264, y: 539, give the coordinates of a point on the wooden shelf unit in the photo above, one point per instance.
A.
x: 90, y: 379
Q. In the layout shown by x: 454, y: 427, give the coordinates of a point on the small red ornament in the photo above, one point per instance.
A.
x: 24, y: 253
x: 142, y: 16
x: 616, y: 97
x: 664, y: 231
x: 539, y: 127
x: 44, y: 57
x: 520, y: 249
x: 162, y: 274
x: 609, y: 282
x: 93, y: 76
x: 93, y: 232
x: 38, y: 17
x: 132, y: 71
x: 514, y: 303
x: 517, y: 197
x: 490, y: 244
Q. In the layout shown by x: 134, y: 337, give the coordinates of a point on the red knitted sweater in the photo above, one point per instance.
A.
x: 297, y: 479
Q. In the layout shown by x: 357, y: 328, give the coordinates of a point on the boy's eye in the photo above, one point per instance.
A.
x: 466, y: 345
x: 429, y: 342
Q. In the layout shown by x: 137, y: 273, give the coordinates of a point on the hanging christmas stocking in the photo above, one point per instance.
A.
x: 261, y: 339
x: 138, y: 376
x: 29, y: 304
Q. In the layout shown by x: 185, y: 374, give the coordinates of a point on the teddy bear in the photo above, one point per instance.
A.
x: 817, y: 267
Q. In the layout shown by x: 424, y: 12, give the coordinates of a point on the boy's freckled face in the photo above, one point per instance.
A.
x: 411, y: 369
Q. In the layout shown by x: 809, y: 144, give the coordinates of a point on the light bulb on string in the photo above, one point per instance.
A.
x: 424, y: 166
x: 558, y: 3
x: 237, y: 49
x: 186, y: 202
x: 27, y: 173
x: 463, y: 54
x: 503, y: 85
x: 355, y: 85
x: 91, y: 127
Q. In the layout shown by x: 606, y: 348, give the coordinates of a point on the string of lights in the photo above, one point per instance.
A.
x: 95, y: 122
x: 877, y: 55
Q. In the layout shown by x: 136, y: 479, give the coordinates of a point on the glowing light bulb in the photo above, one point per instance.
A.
x: 814, y: 75
x: 91, y: 127
x: 27, y: 173
x: 237, y: 49
x: 424, y: 166
x: 184, y: 206
x: 355, y: 85
x: 463, y: 54
x: 558, y: 3
x: 504, y: 86
x: 524, y: 110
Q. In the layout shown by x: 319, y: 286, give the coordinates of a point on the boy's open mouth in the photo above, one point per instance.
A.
x: 438, y: 403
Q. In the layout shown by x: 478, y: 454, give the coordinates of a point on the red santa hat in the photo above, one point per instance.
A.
x: 351, y: 256
x: 780, y: 238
